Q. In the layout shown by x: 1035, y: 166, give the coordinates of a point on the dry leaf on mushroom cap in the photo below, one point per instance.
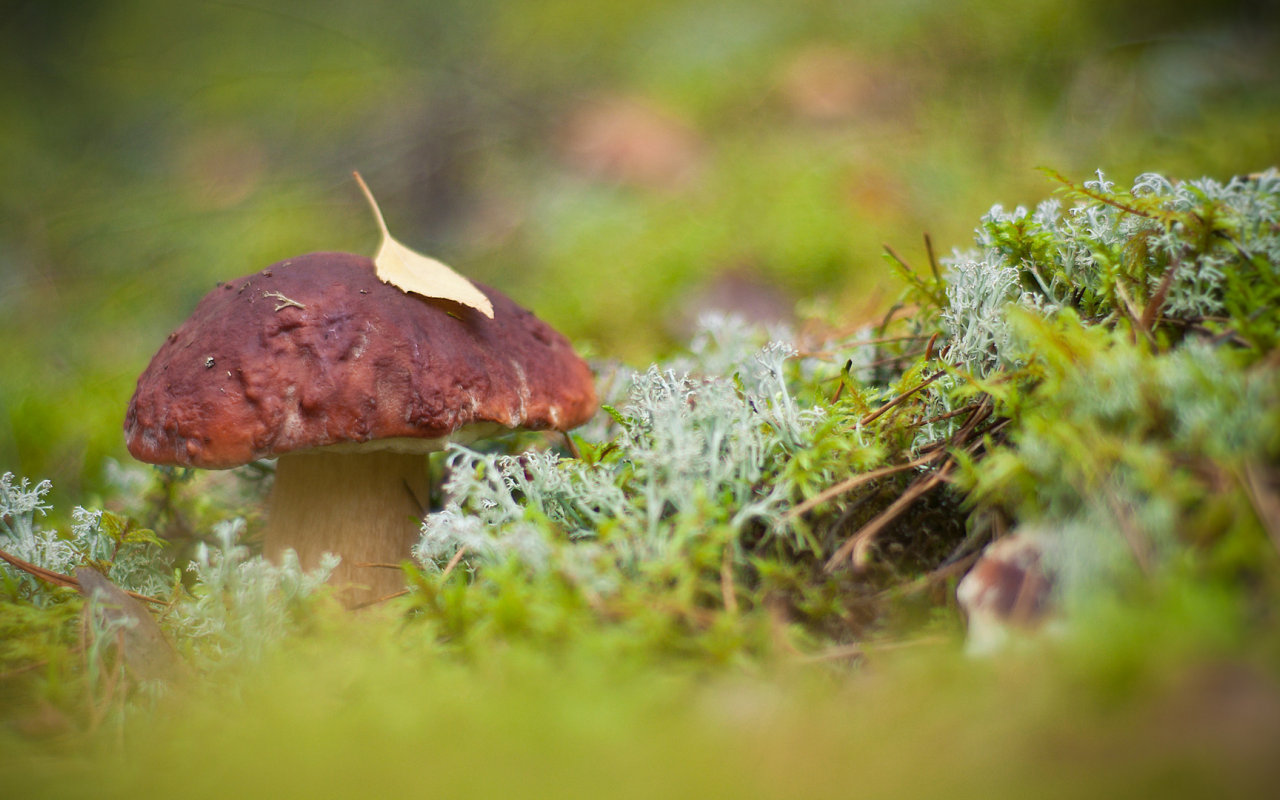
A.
x: 414, y: 272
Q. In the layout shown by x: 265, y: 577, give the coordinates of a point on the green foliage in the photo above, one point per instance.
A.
x: 1121, y: 423
x: 1136, y: 411
x: 1137, y: 429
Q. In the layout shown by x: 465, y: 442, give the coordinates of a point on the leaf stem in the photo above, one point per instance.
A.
x: 377, y: 212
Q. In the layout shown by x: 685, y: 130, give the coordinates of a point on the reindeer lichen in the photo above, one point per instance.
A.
x: 1100, y: 370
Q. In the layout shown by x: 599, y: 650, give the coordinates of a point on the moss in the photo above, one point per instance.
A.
x: 751, y: 506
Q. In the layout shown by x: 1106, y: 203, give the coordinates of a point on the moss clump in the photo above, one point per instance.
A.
x: 1104, y: 372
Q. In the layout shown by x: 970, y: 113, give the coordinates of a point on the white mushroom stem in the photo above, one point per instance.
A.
x: 363, y: 507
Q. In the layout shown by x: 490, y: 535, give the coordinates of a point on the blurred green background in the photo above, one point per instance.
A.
x: 614, y: 166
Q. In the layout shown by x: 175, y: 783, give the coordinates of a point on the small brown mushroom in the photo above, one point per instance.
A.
x: 348, y: 385
x: 1009, y: 588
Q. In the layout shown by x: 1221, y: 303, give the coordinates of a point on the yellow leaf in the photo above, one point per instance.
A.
x: 414, y: 272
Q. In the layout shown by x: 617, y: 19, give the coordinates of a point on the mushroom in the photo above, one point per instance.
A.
x: 348, y: 382
x: 1009, y: 589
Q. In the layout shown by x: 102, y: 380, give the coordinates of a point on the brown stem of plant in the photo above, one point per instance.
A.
x: 980, y: 411
x: 571, y: 446
x: 947, y: 415
x: 1131, y: 309
x: 58, y: 579
x: 858, y: 545
x: 897, y: 258
x: 453, y: 562
x: 984, y: 409
x: 933, y: 260
x: 860, y: 542
x: 874, y: 415
x: 854, y: 482
x: 1156, y: 302
x: 375, y: 601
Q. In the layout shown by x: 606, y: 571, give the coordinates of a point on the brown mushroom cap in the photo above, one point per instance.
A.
x: 316, y: 352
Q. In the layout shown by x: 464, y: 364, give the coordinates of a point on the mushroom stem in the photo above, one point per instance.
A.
x: 362, y: 507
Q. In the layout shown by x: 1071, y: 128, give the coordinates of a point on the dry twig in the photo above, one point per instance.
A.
x: 860, y: 542
x: 58, y: 579
x: 874, y: 415
x: 1156, y: 302
x: 854, y: 482
x: 453, y: 562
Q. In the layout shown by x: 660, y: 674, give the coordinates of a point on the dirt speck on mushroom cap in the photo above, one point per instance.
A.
x: 349, y: 359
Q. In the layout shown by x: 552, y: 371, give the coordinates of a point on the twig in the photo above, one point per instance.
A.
x: 58, y: 579
x: 894, y: 309
x: 378, y: 600
x: 897, y: 258
x: 1156, y: 302
x: 853, y: 483
x: 980, y: 412
x: 879, y: 363
x: 947, y: 415
x: 49, y: 576
x: 377, y: 565
x: 1215, y: 337
x: 424, y: 508
x: 874, y: 415
x: 858, y: 544
x: 928, y: 348
x: 992, y: 428
x: 856, y: 506
x: 983, y: 410
x: 98, y: 711
x: 453, y: 562
x: 23, y: 669
x: 285, y: 302
x: 1097, y: 195
x: 571, y: 446
x: 933, y: 260
x: 834, y: 653
x: 844, y: 373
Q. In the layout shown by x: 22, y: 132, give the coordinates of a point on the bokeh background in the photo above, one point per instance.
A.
x: 616, y: 166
